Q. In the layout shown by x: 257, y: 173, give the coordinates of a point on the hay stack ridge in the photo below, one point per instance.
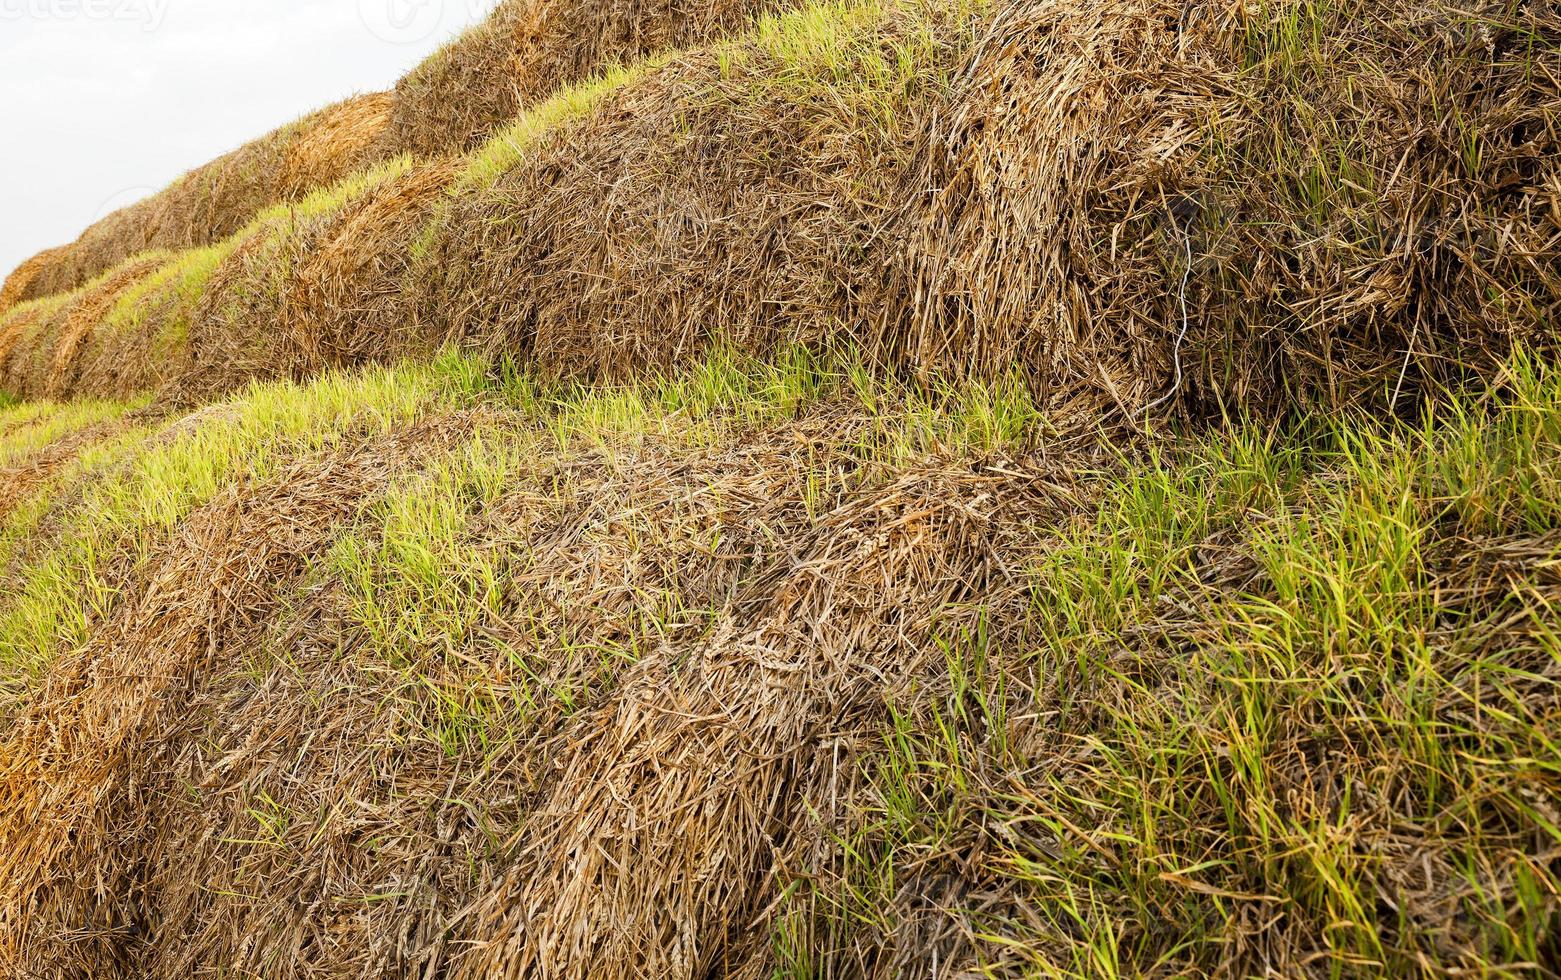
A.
x: 858, y: 489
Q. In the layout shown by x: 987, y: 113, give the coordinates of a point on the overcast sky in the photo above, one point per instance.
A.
x: 103, y: 102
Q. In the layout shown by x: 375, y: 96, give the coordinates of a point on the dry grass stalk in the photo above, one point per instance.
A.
x: 345, y: 303
x: 71, y: 796
x: 529, y: 48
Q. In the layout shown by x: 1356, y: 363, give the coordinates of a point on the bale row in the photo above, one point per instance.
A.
x: 216, y: 200
x: 1061, y: 190
x: 1124, y: 200
x: 454, y: 696
x: 528, y: 49
x: 449, y: 104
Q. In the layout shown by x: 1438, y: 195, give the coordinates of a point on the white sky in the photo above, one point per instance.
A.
x: 103, y: 102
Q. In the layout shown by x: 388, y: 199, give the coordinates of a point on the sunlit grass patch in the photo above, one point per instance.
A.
x: 29, y: 427
x: 1309, y: 668
x: 143, y: 497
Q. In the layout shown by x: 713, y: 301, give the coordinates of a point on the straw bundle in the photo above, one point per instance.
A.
x: 1356, y: 199
x: 70, y: 798
x: 529, y: 48
x: 333, y: 143
x: 19, y: 283
x: 345, y: 303
x: 82, y: 318
x: 218, y: 199
x: 47, y: 346
x: 748, y: 193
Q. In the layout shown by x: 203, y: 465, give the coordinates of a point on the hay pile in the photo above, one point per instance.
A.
x: 316, y: 286
x: 18, y: 284
x: 17, y: 326
x: 83, y: 316
x: 741, y: 687
x: 1308, y: 192
x: 1360, y: 199
x: 68, y: 786
x: 527, y: 49
x: 331, y: 144
x: 218, y: 199
x: 749, y: 193
x: 457, y: 671
x: 1131, y: 203
x: 141, y: 344
x: 346, y: 303
x: 41, y: 355
x: 303, y: 838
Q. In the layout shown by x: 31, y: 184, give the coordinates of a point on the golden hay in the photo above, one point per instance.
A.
x: 1063, y: 190
x: 530, y: 48
x: 1040, y: 214
x: 140, y: 344
x: 19, y: 282
x: 664, y: 729
x: 747, y: 194
x: 658, y: 876
x: 345, y: 302
x: 27, y: 349
x: 250, y: 321
x: 218, y: 199
x: 14, y: 326
x: 670, y: 720
x: 335, y: 142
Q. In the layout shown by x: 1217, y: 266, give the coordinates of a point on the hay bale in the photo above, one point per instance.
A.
x: 237, y: 331
x: 232, y: 334
x: 346, y: 303
x: 746, y: 193
x: 18, y: 284
x: 1360, y: 192
x: 46, y: 347
x: 233, y: 557
x: 82, y: 318
x: 21, y: 333
x: 218, y: 199
x: 102, y: 246
x: 333, y: 143
x: 142, y: 342
x: 529, y: 48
